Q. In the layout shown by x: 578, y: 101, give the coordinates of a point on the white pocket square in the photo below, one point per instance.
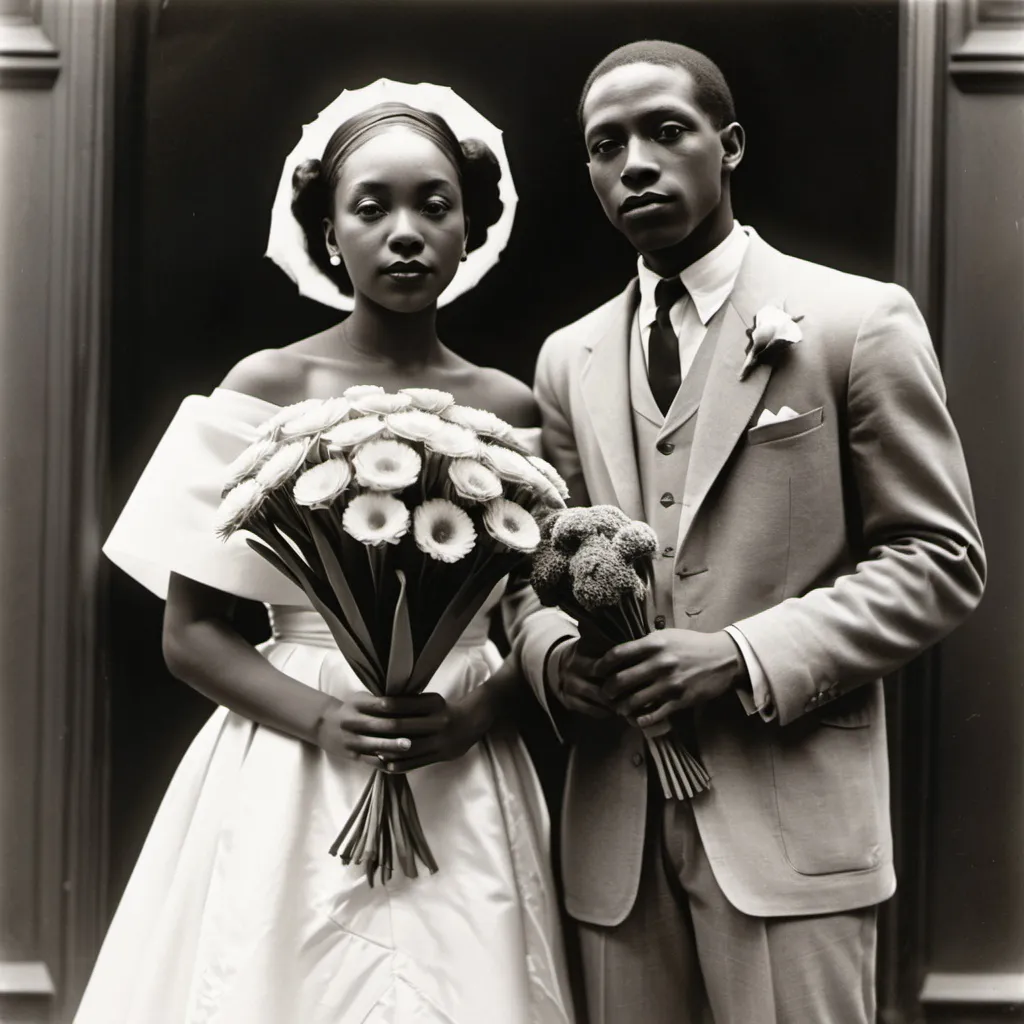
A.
x: 785, y: 413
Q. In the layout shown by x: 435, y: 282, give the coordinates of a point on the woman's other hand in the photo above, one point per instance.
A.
x: 402, y: 733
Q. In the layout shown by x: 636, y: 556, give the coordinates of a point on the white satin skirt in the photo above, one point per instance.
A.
x: 236, y: 914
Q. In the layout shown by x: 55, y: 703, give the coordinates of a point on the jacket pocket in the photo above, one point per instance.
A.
x: 782, y: 429
x: 857, y: 718
x: 825, y: 795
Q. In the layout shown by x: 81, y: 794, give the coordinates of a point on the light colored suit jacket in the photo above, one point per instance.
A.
x: 842, y: 543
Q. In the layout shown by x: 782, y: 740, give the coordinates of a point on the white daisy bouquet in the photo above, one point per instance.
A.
x: 397, y: 515
x: 595, y: 563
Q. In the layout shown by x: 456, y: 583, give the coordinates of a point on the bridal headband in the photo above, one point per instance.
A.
x: 287, y: 244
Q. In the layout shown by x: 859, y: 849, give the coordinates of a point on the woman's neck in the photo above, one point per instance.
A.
x: 398, y: 339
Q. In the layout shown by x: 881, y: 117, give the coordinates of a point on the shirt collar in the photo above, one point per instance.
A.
x: 709, y: 280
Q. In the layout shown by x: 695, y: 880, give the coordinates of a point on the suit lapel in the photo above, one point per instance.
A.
x: 728, y: 404
x: 605, y: 387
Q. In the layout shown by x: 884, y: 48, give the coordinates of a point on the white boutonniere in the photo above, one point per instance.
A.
x: 773, y: 331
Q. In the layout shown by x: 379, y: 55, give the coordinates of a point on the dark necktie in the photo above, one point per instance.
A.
x: 663, y: 345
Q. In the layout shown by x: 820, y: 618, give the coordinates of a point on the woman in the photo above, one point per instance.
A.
x: 235, y: 912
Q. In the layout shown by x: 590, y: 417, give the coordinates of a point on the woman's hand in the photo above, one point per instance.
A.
x: 400, y: 734
x: 403, y: 733
x: 442, y: 730
x: 363, y: 728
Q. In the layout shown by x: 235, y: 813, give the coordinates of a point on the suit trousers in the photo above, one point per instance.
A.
x: 686, y: 955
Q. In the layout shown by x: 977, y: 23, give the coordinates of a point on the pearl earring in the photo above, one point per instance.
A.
x: 335, y: 260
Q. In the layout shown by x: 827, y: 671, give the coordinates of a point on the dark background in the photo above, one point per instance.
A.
x: 211, y: 96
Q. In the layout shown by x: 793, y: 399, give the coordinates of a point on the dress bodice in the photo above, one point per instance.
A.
x: 168, y: 522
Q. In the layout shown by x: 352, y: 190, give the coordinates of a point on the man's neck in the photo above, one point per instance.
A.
x: 708, y: 235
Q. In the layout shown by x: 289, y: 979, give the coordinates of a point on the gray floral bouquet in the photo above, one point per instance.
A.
x: 595, y: 564
x: 397, y: 515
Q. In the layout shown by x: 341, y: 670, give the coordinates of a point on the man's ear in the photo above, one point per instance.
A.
x: 734, y: 142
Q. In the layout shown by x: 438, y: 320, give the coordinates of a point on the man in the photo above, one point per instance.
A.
x: 816, y: 532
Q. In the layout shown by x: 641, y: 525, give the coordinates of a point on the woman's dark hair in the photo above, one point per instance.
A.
x: 314, y: 181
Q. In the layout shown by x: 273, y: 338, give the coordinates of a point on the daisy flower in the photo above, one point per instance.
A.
x: 349, y: 433
x: 315, y: 420
x: 289, y: 412
x: 381, y: 403
x: 414, y: 424
x: 282, y: 465
x: 319, y: 486
x: 454, y: 441
x: 473, y: 481
x: 387, y: 465
x: 361, y: 391
x: 238, y: 506
x: 376, y: 519
x: 480, y: 420
x: 550, y: 474
x: 428, y: 399
x: 443, y: 531
x: 249, y: 461
x: 512, y: 466
x: 510, y: 524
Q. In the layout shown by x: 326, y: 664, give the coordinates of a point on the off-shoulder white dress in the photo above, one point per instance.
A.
x: 235, y: 912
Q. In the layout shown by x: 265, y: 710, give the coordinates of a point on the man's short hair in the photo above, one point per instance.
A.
x: 711, y: 89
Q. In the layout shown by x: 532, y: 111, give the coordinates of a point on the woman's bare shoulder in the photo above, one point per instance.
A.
x: 508, y: 397
x: 276, y: 375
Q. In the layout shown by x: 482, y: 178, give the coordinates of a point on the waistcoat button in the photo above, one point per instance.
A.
x: 666, y: 447
x: 659, y: 622
x: 667, y: 499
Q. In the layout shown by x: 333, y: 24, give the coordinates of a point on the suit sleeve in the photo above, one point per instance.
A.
x: 551, y: 388
x: 535, y: 631
x: 923, y: 568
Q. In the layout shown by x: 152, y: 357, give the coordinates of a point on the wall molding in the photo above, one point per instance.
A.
x: 990, y: 54
x: 28, y: 57
x: 30, y: 978
x: 920, y: 156
x: 72, y: 831
x: 976, y: 989
x: 79, y: 430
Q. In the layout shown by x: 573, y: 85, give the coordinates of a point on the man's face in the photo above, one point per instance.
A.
x: 656, y: 160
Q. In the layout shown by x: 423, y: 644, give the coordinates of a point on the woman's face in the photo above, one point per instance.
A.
x: 398, y: 223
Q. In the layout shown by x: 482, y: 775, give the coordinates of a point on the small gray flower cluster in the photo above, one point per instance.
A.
x: 598, y: 557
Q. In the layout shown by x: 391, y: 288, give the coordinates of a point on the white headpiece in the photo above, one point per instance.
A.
x: 287, y: 243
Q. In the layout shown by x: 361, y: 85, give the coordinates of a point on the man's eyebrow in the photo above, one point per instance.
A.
x: 663, y: 110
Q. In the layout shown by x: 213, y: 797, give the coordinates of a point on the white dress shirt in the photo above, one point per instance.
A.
x: 708, y: 282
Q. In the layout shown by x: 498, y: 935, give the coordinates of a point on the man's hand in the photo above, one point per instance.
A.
x: 668, y: 671
x: 576, y: 684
